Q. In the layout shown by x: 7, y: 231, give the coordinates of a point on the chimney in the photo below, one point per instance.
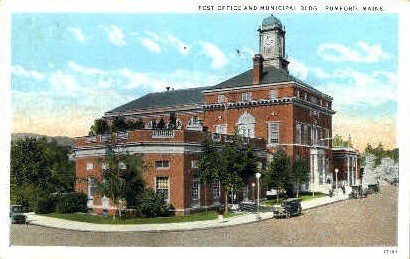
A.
x: 257, y: 69
x: 167, y: 88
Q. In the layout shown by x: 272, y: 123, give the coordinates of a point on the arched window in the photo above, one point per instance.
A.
x: 246, y: 125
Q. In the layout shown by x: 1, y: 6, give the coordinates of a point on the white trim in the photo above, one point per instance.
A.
x: 238, y: 88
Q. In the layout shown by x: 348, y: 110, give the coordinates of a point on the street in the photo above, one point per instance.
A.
x: 370, y: 221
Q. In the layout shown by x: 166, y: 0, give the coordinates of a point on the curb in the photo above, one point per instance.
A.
x: 219, y: 224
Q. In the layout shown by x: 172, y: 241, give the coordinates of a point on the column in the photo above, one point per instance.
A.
x: 348, y: 170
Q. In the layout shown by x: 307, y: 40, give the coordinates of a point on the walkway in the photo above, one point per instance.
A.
x: 235, y: 220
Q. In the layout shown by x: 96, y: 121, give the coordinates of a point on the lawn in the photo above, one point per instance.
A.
x: 302, y: 197
x: 99, y: 219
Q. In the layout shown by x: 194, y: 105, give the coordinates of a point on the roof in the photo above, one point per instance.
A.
x: 271, y: 21
x: 164, y: 99
x: 191, y: 96
x: 270, y: 75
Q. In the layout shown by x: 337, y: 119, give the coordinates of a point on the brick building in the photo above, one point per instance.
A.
x: 263, y: 103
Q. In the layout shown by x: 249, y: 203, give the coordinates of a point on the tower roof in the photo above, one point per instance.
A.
x: 271, y: 21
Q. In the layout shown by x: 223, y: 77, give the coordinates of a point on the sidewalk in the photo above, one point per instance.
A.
x: 235, y: 220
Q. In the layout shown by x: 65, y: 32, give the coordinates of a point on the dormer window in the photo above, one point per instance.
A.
x: 272, y: 95
x: 246, y: 97
x: 221, y: 98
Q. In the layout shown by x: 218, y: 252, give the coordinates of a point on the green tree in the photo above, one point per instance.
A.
x: 172, y: 123
x: 230, y: 163
x: 300, y: 174
x: 100, y: 126
x: 338, y: 141
x: 119, y: 124
x: 278, y: 171
x: 38, y: 168
x: 123, y: 173
x: 161, y: 124
x: 139, y: 124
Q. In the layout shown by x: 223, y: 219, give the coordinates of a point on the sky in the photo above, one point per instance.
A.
x: 68, y: 69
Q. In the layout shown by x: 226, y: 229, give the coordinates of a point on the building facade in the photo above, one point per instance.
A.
x: 264, y: 103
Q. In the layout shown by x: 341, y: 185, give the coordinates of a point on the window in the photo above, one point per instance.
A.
x: 194, y: 164
x: 162, y: 164
x: 272, y: 94
x: 305, y: 96
x: 216, y: 190
x: 298, y: 133
x: 221, y: 98
x: 152, y: 124
x: 220, y: 129
x: 273, y: 133
x: 163, y: 187
x: 313, y: 99
x: 246, y: 96
x: 298, y: 93
x: 195, y: 192
x: 305, y: 134
x: 194, y: 121
x: 104, y: 166
x: 90, y: 188
x: 90, y: 166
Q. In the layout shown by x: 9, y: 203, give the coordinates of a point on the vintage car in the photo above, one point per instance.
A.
x: 288, y: 208
x: 16, y: 214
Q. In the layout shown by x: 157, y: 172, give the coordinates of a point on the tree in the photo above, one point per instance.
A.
x: 121, y: 179
x: 338, y: 141
x: 172, y: 123
x: 278, y: 171
x: 300, y: 174
x: 38, y: 168
x: 139, y: 124
x: 100, y: 126
x: 230, y: 163
x: 161, y: 124
x: 119, y: 124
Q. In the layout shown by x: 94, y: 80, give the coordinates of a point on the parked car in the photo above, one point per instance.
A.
x: 288, y: 208
x: 16, y: 214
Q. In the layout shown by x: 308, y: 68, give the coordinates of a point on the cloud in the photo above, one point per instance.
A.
x: 298, y: 69
x: 21, y: 71
x: 218, y: 58
x: 155, y: 42
x: 64, y: 84
x: 362, y: 53
x: 84, y: 70
x: 78, y: 34
x: 115, y: 35
x: 182, y: 47
x: 150, y: 45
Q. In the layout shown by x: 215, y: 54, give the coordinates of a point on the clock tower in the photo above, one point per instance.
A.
x: 272, y: 43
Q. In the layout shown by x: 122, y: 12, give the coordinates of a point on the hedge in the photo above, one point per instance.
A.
x: 71, y: 202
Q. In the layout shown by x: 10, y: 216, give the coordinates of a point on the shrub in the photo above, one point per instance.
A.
x: 71, y: 202
x: 152, y: 204
x: 45, y: 204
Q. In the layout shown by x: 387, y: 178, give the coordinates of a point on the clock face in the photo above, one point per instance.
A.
x: 267, y: 40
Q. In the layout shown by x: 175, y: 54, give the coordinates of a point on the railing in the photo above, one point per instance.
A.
x: 91, y: 139
x: 122, y: 135
x: 162, y: 134
x: 106, y: 138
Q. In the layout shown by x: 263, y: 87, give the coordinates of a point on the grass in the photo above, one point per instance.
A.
x: 302, y: 197
x: 99, y: 219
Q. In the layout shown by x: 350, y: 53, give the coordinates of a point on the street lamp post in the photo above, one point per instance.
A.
x: 253, y: 192
x: 258, y: 176
x: 336, y: 171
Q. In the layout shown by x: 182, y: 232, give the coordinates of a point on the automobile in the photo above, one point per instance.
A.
x: 288, y: 208
x: 17, y: 215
